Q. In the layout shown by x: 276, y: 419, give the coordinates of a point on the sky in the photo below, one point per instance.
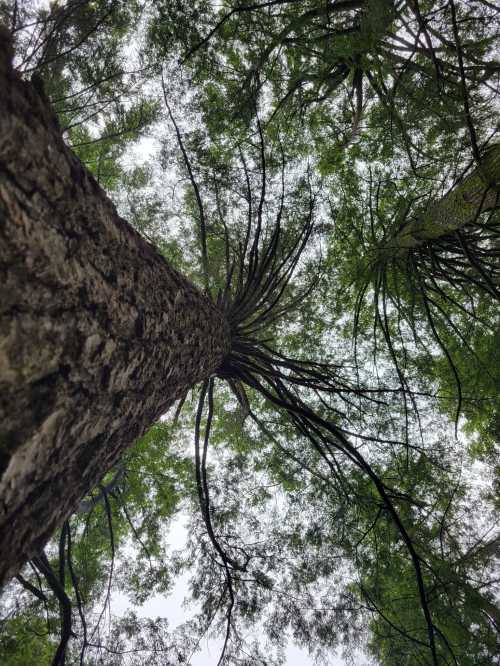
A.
x: 171, y: 607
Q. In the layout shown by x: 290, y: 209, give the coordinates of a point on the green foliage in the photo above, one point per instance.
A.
x: 457, y: 569
x: 24, y: 640
x: 346, y: 114
x: 81, y: 53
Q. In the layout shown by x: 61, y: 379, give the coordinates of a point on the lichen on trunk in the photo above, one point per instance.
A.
x: 98, y: 334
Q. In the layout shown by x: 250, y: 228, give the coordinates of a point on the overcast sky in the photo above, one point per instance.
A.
x: 172, y: 609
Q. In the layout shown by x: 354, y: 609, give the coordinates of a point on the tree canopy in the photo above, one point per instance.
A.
x: 328, y: 174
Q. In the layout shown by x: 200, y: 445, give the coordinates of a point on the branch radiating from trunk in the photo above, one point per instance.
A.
x: 98, y: 334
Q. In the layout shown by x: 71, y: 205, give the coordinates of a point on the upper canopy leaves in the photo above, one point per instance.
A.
x: 325, y: 495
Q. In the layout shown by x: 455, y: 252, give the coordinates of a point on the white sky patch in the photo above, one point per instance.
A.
x: 174, y: 608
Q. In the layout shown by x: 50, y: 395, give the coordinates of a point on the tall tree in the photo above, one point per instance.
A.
x: 92, y: 316
x: 249, y: 242
x: 462, y: 206
x: 64, y: 439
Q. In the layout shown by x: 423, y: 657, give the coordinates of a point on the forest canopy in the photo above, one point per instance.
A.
x: 327, y: 174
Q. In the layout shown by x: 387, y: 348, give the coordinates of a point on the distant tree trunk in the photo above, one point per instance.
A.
x: 478, y: 192
x: 98, y: 334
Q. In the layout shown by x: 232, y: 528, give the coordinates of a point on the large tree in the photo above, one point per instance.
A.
x: 99, y: 334
x: 244, y: 256
x: 99, y: 343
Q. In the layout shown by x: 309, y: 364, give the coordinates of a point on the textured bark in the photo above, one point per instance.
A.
x: 98, y: 334
x: 478, y: 192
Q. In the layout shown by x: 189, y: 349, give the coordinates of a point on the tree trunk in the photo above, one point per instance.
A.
x: 477, y: 193
x: 98, y: 334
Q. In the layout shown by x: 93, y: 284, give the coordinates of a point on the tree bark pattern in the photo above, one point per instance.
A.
x: 98, y: 334
x: 477, y: 193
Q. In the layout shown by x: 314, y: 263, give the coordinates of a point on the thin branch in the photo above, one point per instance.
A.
x: 196, y: 189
